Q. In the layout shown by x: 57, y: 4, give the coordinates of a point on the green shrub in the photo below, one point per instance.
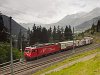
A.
x: 5, y: 52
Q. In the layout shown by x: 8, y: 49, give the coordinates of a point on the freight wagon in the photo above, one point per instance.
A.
x: 66, y: 45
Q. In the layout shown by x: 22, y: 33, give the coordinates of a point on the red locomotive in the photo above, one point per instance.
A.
x: 40, y: 50
x: 45, y: 49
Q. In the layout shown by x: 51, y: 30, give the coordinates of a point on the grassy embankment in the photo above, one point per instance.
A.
x: 79, y: 66
x: 90, y: 67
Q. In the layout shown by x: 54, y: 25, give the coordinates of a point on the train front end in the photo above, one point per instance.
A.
x: 30, y: 53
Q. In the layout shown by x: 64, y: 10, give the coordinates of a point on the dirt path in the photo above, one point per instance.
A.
x: 73, y: 62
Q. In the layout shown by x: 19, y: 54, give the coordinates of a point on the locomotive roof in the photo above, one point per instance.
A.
x: 40, y: 45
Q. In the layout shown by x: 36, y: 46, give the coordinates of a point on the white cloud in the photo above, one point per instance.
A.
x: 44, y: 11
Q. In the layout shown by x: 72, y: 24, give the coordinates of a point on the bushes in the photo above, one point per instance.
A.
x: 5, y: 53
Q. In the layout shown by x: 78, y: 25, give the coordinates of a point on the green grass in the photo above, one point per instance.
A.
x: 72, y: 58
x: 90, y: 67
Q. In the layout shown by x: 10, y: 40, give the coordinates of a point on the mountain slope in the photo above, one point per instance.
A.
x: 73, y: 20
x: 67, y: 20
x: 86, y: 25
x: 77, y: 19
x: 15, y: 26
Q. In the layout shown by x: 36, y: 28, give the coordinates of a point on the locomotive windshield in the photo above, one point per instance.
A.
x: 27, y: 51
x: 34, y: 50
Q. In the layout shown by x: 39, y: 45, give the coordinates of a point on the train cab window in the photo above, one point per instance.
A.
x: 34, y: 50
x: 27, y: 51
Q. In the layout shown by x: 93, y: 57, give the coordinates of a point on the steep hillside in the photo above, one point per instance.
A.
x: 86, y: 25
x: 67, y: 20
x: 15, y: 26
x: 78, y: 18
x: 73, y: 20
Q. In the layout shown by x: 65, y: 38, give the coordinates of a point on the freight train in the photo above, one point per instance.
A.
x: 39, y: 50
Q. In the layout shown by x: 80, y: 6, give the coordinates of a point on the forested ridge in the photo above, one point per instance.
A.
x: 42, y: 35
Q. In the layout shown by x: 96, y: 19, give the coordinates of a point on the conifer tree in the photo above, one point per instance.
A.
x: 44, y: 36
x: 50, y: 34
x: 98, y: 26
x: 54, y: 33
x: 39, y: 33
x: 28, y: 36
x: 59, y: 34
x: 70, y: 33
x: 33, y: 36
x: 66, y: 33
x: 62, y: 34
x: 93, y: 29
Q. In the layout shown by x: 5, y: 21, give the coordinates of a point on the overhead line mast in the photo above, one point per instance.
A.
x: 11, y: 45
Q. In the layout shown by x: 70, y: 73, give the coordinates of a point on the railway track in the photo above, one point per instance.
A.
x: 26, y: 68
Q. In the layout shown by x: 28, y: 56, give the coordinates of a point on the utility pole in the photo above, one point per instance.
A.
x: 21, y: 43
x: 73, y: 41
x: 11, y: 45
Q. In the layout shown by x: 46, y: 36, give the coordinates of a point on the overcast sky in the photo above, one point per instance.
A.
x: 44, y: 11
